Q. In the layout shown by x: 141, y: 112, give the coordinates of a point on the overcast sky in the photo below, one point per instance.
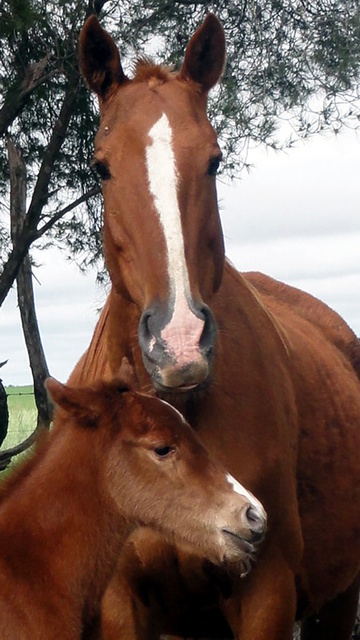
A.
x: 296, y: 217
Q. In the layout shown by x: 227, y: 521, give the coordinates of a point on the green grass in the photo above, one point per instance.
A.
x: 22, y: 415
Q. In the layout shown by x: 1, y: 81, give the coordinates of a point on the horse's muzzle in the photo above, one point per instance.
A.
x: 178, y: 355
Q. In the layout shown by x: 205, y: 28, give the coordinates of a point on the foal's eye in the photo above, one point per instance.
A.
x: 163, y: 451
x: 214, y: 164
x: 101, y: 168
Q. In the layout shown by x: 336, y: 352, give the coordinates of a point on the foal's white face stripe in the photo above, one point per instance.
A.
x: 180, y: 415
x: 182, y: 334
x: 238, y: 488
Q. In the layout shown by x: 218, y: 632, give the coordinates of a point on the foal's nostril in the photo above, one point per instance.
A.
x: 257, y: 523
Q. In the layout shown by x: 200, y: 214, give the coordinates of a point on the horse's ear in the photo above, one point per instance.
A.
x: 205, y: 54
x: 99, y: 59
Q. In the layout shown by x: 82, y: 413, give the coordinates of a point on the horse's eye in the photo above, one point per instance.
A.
x: 163, y: 451
x: 214, y: 165
x: 101, y: 168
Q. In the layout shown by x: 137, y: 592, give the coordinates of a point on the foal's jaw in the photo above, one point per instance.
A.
x: 245, y: 526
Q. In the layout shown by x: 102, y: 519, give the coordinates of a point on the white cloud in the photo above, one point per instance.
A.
x: 309, y: 190
x: 66, y: 304
x: 296, y: 217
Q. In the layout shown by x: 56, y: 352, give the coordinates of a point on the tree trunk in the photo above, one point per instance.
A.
x: 29, y: 222
x: 25, y: 291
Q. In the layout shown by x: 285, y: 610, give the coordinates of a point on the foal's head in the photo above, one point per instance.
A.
x: 154, y: 471
x: 157, y: 156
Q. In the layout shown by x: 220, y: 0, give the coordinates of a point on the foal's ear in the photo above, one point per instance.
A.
x: 99, y: 59
x: 77, y: 401
x: 127, y: 374
x: 205, y: 54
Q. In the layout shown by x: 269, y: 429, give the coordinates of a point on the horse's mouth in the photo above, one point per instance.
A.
x: 181, y: 390
x: 169, y: 376
x: 185, y: 388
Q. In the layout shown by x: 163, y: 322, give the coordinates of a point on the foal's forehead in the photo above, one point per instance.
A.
x: 156, y: 407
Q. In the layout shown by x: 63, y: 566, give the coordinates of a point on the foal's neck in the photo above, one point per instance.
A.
x: 57, y: 526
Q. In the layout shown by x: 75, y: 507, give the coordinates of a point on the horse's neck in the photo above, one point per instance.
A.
x: 94, y: 365
x: 56, y: 529
x: 115, y: 336
x: 122, y: 337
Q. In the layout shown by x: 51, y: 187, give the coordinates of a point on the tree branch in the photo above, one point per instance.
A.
x: 27, y: 237
x: 7, y: 454
x: 40, y: 193
x: 60, y: 214
x: 17, y: 97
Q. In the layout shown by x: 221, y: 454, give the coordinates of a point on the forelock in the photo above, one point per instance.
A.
x: 146, y: 70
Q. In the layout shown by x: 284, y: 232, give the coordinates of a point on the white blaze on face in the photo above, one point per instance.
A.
x: 182, y: 333
x: 238, y: 488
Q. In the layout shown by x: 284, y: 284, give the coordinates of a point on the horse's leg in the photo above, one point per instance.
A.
x: 336, y: 619
x: 264, y: 607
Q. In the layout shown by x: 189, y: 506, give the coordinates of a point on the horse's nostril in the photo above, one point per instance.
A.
x: 145, y: 333
x: 207, y: 339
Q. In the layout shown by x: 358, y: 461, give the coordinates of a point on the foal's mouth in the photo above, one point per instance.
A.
x: 243, y: 553
x: 245, y: 546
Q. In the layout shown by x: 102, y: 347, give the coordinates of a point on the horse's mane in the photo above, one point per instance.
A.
x: 280, y: 330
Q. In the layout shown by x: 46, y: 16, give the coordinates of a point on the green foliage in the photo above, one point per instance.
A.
x: 288, y: 61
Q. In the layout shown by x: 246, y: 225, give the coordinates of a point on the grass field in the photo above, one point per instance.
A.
x: 22, y: 415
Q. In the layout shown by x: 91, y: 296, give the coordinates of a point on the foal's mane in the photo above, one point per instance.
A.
x: 107, y: 391
x: 25, y: 466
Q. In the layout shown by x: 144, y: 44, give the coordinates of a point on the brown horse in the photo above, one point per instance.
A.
x: 265, y: 374
x: 116, y: 459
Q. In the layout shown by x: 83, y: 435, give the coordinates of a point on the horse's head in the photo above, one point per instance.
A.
x: 157, y: 156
